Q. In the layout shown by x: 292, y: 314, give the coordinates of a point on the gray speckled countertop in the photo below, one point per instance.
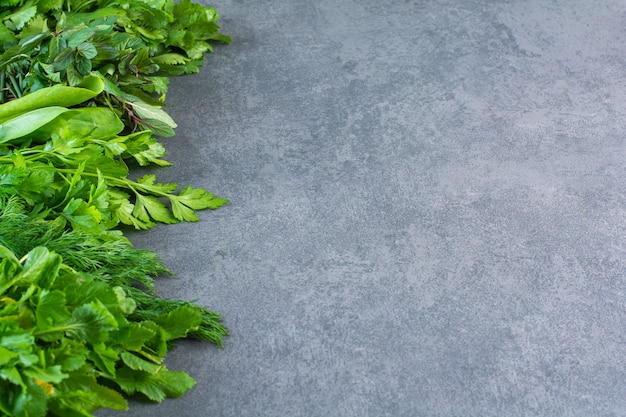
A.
x: 427, y: 216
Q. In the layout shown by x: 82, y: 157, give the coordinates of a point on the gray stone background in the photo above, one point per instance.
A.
x: 427, y: 210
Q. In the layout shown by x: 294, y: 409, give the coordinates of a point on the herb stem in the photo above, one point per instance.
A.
x: 16, y: 90
x: 119, y: 182
x: 2, y: 87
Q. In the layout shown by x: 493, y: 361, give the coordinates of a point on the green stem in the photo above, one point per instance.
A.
x: 56, y: 329
x: 2, y: 87
x: 135, y: 187
x: 16, y: 90
x: 120, y: 182
x: 83, y: 5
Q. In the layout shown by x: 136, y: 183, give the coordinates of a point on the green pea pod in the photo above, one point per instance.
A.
x: 57, y: 95
x: 26, y: 123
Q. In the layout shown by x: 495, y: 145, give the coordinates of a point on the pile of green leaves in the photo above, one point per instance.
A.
x: 82, y: 88
x: 135, y: 44
x: 70, y: 162
x: 66, y: 336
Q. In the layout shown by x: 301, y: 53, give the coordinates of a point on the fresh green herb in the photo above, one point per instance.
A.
x: 114, y: 262
x: 135, y: 45
x: 72, y: 161
x: 69, y: 346
x: 82, y: 87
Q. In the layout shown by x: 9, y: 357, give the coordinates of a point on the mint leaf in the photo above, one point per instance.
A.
x: 157, y: 126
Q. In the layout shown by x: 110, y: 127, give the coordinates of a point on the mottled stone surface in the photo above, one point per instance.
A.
x: 427, y: 216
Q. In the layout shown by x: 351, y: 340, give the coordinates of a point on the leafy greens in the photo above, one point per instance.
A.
x: 82, y: 88
x: 68, y: 344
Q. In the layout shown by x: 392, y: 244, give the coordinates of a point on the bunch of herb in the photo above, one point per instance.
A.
x: 70, y: 346
x: 70, y: 162
x: 114, y: 262
x: 136, y: 45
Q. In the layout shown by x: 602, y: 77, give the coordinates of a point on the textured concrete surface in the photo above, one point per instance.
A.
x: 427, y: 216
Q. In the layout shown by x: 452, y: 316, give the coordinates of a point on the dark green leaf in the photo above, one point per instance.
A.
x: 105, y: 51
x: 158, y: 127
x: 79, y: 37
x: 74, y: 77
x: 88, y: 50
x: 64, y: 59
x: 82, y: 65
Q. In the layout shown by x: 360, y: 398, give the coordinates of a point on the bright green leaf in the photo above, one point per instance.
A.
x: 18, y: 19
x: 156, y: 387
x: 51, y: 312
x: 104, y: 357
x: 179, y: 322
x: 147, y: 207
x: 91, y: 322
x: 51, y: 374
x: 57, y: 95
x: 24, y: 124
x: 139, y: 364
